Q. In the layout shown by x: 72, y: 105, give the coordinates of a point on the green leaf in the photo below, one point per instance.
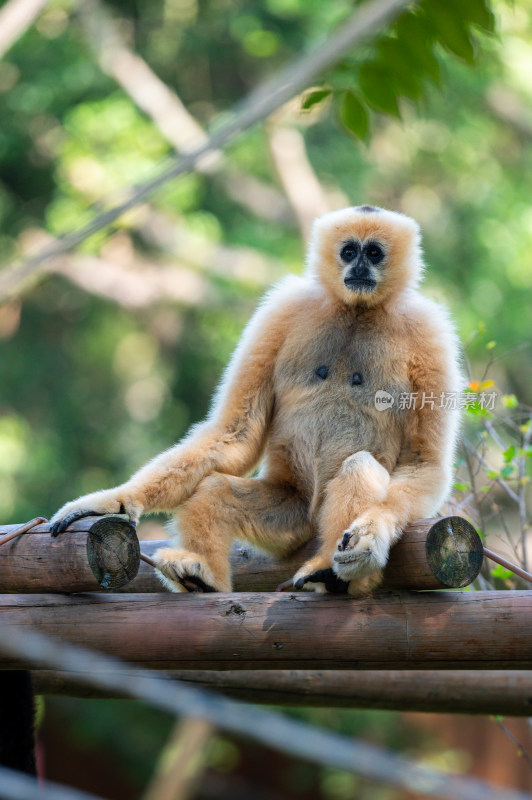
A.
x: 377, y: 89
x: 417, y: 37
x: 476, y: 12
x: 354, y: 115
x: 509, y: 454
x: 394, y: 57
x: 501, y: 572
x: 461, y: 487
x: 449, y: 29
x: 314, y: 97
x: 506, y: 472
x: 509, y: 401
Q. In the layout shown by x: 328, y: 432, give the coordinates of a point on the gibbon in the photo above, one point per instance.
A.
x: 338, y: 387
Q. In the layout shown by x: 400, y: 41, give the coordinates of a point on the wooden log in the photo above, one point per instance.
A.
x: 444, y: 553
x: 505, y: 692
x: 96, y: 553
x: 429, y: 630
x: 432, y: 554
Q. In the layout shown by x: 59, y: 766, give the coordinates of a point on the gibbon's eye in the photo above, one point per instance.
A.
x: 322, y: 372
x: 348, y: 252
x: 374, y: 252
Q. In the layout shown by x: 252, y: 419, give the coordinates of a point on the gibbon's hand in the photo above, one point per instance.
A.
x: 108, y: 501
x: 365, y: 545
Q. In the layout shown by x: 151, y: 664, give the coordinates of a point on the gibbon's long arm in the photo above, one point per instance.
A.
x: 422, y: 478
x: 230, y: 440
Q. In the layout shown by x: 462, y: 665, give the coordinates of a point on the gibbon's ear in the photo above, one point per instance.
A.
x: 339, y: 254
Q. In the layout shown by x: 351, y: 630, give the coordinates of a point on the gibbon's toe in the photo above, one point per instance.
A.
x: 317, y: 576
x: 181, y: 570
x: 361, y: 552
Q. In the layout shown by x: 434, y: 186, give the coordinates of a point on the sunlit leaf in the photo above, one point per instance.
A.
x: 509, y: 454
x: 313, y: 98
x: 501, y: 572
x: 509, y: 401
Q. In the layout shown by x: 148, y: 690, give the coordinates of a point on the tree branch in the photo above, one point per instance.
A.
x: 260, y: 104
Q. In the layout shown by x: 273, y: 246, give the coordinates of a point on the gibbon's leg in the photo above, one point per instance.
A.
x: 360, y: 483
x: 223, y: 507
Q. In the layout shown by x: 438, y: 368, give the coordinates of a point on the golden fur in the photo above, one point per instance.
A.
x: 332, y: 463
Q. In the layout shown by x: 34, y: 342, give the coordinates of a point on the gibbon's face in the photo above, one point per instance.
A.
x: 365, y: 254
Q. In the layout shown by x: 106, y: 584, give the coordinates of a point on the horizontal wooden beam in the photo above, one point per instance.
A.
x: 101, y: 553
x: 508, y: 693
x: 444, y: 630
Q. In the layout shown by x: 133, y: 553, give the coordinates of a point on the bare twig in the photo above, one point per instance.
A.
x: 500, y: 481
x: 16, y: 16
x: 520, y: 749
x: 521, y: 491
x: 301, y: 186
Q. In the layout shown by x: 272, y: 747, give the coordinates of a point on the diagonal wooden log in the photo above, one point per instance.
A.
x: 101, y: 552
x: 429, y: 630
x: 505, y: 692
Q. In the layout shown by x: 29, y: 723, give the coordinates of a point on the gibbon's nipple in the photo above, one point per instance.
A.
x: 322, y: 372
x: 356, y: 380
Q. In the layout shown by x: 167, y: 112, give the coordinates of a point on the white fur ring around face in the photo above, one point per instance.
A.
x: 364, y: 547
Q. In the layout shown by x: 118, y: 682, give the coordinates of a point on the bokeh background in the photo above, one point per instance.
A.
x: 110, y: 353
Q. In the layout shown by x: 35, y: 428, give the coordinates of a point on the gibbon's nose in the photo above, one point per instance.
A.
x: 360, y: 271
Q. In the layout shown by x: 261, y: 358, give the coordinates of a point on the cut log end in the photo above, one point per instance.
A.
x: 454, y: 552
x: 113, y: 551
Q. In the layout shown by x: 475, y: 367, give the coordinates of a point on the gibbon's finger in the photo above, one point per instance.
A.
x: 61, y: 525
x: 285, y: 585
x: 192, y: 583
x: 333, y: 584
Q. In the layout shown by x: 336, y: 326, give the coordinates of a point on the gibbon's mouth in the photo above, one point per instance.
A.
x: 360, y: 284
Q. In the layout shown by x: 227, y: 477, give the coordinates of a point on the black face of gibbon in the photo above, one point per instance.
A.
x: 361, y: 258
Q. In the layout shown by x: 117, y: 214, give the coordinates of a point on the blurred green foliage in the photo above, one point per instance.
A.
x: 92, y: 387
x: 71, y: 139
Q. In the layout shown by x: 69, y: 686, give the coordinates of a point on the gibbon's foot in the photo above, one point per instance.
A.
x: 108, y: 501
x: 182, y: 570
x: 317, y: 576
x: 364, y: 548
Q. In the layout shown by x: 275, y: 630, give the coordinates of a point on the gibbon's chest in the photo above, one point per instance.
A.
x: 351, y: 366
